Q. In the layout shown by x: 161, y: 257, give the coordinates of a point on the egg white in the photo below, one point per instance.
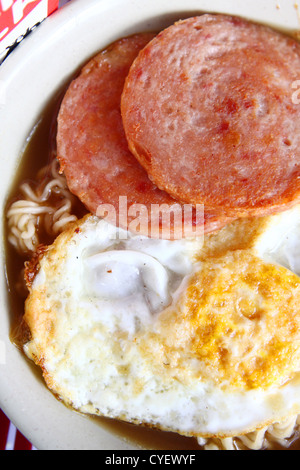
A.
x: 94, y: 310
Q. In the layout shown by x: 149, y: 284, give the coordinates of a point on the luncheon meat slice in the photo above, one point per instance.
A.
x: 208, y: 111
x: 93, y: 150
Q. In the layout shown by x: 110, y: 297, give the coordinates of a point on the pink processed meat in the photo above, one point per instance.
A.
x: 92, y: 148
x: 207, y: 110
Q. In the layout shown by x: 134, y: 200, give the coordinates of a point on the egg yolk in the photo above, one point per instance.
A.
x: 239, y: 321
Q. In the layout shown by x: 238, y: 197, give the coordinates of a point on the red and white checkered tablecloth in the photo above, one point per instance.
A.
x: 10, y: 437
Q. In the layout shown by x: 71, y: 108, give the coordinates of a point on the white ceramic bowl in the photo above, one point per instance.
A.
x: 28, y: 79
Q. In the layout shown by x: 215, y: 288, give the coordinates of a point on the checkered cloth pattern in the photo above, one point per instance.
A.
x: 10, y: 437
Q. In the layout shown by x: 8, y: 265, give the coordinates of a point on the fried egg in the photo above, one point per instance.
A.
x: 197, y: 338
